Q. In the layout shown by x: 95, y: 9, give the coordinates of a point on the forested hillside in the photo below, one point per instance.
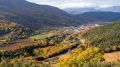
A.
x: 38, y: 16
x: 10, y: 31
x: 98, y: 41
x: 34, y: 15
x: 106, y: 37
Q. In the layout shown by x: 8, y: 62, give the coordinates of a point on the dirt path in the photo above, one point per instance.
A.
x: 23, y: 42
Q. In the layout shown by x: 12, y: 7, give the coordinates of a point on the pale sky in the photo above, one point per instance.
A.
x: 78, y: 3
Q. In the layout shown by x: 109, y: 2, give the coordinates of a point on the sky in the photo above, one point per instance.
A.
x: 63, y: 4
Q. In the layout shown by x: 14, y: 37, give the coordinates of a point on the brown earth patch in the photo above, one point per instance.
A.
x: 112, y: 57
x: 23, y: 42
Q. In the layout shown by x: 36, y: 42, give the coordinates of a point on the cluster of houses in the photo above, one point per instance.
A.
x: 80, y: 29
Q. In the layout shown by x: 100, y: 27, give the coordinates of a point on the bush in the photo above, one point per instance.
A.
x: 19, y: 62
x: 77, y: 60
x: 101, y: 64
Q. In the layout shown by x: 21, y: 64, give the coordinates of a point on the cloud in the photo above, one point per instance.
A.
x: 105, y: 6
x: 73, y: 5
x: 78, y: 3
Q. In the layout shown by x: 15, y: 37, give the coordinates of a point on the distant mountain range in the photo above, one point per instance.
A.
x: 92, y: 9
x: 38, y: 16
x: 98, y: 17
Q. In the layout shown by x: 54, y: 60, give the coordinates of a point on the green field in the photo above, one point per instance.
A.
x: 42, y: 36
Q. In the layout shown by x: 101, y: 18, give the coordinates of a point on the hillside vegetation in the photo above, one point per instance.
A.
x: 10, y: 31
x: 34, y: 15
x: 38, y: 16
x: 64, y: 49
x: 106, y: 37
x: 99, y: 40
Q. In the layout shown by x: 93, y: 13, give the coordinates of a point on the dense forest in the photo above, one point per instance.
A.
x: 106, y: 37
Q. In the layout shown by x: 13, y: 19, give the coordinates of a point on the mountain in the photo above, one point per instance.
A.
x: 98, y: 17
x: 92, y: 9
x: 34, y: 15
x: 79, y: 10
x: 42, y: 16
x: 112, y: 9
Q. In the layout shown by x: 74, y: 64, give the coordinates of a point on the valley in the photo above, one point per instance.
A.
x: 55, y: 47
x: 43, y: 35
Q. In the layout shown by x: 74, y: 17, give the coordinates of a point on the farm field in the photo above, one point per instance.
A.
x: 42, y: 36
x: 20, y: 43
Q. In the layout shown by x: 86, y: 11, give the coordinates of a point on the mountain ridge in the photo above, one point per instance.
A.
x: 38, y: 16
x: 34, y: 15
x: 98, y: 17
x: 92, y: 9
